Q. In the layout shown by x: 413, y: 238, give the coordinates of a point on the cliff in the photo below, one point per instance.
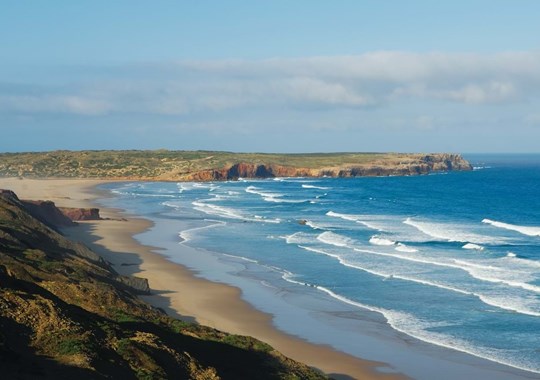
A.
x: 165, y: 165
x: 66, y: 314
x: 409, y: 165
x: 76, y: 214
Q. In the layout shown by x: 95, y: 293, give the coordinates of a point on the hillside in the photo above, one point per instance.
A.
x: 205, y: 166
x: 66, y: 314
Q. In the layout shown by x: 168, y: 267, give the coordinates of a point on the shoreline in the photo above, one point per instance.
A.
x: 177, y: 289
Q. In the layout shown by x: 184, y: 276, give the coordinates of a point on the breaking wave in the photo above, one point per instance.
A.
x: 525, y: 230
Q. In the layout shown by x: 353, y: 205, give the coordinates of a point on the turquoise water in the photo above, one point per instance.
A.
x: 449, y: 259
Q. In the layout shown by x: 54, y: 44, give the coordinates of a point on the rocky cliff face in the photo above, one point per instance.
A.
x: 77, y: 214
x: 409, y: 165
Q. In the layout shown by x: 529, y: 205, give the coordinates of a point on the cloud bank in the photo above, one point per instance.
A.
x: 367, y: 81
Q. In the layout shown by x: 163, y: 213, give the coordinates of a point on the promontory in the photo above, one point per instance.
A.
x: 165, y: 165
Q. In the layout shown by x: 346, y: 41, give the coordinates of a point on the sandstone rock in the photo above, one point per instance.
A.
x: 77, y: 214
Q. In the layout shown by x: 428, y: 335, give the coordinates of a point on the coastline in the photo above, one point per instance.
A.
x: 175, y: 288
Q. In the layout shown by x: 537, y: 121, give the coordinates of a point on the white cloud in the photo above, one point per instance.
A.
x: 373, y: 79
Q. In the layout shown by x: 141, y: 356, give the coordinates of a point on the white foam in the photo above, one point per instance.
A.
x: 514, y: 304
x: 385, y: 275
x: 404, y: 248
x: 451, y: 233
x: 315, y: 187
x: 376, y: 240
x: 272, y: 197
x: 510, y: 254
x: 225, y: 212
x: 171, y: 205
x: 359, y: 219
x: 499, y: 275
x: 299, y: 238
x: 241, y: 258
x: 352, y: 218
x: 423, y: 330
x: 525, y: 230
x: 473, y: 246
x: 335, y: 239
x: 144, y: 195
x: 314, y: 225
x: 186, y: 235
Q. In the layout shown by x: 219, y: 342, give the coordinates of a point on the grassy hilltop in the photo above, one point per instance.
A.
x: 207, y: 165
x: 66, y: 314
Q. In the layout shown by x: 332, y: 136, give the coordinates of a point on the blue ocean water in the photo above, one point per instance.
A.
x: 451, y: 259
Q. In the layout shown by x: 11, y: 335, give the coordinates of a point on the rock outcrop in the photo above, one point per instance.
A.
x: 78, y: 214
x: 48, y: 213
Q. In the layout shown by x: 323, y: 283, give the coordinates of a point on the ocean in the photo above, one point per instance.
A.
x: 441, y: 268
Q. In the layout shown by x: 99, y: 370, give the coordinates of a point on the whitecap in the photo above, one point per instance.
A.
x: 352, y: 218
x: 226, y: 212
x: 272, y: 197
x: 335, y: 239
x: 377, y: 240
x: 525, y: 230
x: 298, y: 238
x: 315, y: 187
x: 473, y: 247
x: 404, y: 248
x: 450, y: 232
x: 314, y: 225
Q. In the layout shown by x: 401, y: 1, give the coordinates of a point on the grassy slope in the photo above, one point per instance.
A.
x: 65, y: 315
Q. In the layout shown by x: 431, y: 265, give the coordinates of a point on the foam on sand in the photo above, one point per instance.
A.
x: 525, y: 230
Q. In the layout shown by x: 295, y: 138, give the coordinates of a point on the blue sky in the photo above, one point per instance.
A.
x: 284, y: 76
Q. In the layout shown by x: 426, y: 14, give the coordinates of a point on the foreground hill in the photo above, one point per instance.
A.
x: 207, y: 166
x: 66, y: 314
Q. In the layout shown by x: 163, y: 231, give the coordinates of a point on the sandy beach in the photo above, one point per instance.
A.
x: 176, y: 289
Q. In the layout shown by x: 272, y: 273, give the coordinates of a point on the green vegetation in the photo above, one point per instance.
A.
x: 186, y: 165
x: 64, y: 314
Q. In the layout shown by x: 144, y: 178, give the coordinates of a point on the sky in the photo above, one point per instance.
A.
x: 270, y: 76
